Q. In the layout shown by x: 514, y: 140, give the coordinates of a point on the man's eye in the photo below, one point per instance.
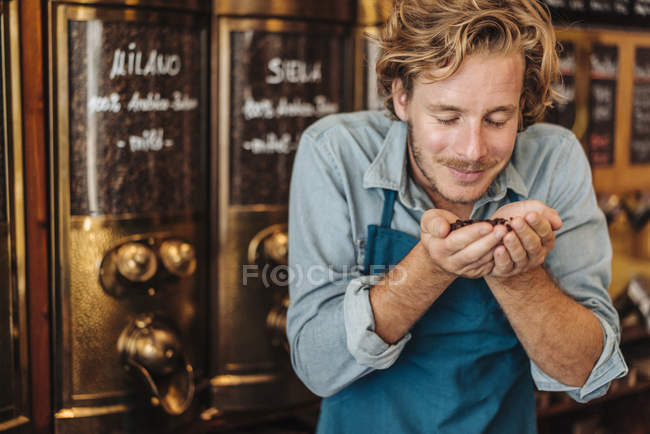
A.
x: 447, y: 121
x: 496, y: 123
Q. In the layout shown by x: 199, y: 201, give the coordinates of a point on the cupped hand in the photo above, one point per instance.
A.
x: 523, y: 207
x: 531, y: 239
x: 467, y: 251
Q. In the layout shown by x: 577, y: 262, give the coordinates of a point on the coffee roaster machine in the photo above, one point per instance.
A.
x: 129, y: 198
x: 15, y: 414
x: 280, y: 66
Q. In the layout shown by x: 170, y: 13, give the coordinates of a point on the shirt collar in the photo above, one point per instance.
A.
x: 388, y: 169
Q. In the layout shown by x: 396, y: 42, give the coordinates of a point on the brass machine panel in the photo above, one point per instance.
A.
x: 274, y: 78
x: 14, y: 386
x: 129, y: 165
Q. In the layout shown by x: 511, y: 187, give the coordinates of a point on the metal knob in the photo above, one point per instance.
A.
x: 154, y: 351
x: 276, y: 247
x: 270, y: 245
x: 178, y: 257
x: 136, y: 262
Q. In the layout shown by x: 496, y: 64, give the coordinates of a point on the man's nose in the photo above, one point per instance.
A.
x: 473, y: 147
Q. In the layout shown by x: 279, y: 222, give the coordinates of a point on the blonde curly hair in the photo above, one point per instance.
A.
x: 431, y: 38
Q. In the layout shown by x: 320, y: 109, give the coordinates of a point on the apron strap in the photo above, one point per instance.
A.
x: 387, y: 213
x: 512, y: 196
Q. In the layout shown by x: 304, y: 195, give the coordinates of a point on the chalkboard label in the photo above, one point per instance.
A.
x: 136, y: 137
x: 602, y: 105
x: 280, y: 83
x: 640, y: 140
x: 564, y: 112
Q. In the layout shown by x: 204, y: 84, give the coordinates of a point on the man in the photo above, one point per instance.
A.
x: 404, y: 325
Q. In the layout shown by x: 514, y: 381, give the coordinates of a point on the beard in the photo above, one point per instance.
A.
x: 454, y: 163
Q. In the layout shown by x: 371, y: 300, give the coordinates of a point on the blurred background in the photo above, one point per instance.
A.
x: 146, y: 149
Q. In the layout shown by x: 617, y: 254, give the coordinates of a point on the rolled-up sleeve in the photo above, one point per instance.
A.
x: 609, y: 366
x: 581, y: 263
x: 364, y: 344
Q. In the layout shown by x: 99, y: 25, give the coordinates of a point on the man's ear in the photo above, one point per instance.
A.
x: 400, y: 99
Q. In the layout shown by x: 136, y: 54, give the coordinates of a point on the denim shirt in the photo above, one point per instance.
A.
x: 342, y: 165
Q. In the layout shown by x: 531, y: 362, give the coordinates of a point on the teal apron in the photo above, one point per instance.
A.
x: 462, y: 372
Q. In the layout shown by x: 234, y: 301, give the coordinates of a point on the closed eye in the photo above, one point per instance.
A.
x: 497, y: 124
x: 447, y: 121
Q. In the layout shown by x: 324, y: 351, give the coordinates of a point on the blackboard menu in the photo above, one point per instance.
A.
x: 621, y: 13
x: 564, y: 112
x: 602, y: 105
x: 136, y: 129
x: 640, y: 140
x: 280, y: 83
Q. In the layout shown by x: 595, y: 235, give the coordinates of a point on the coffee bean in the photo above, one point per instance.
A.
x: 498, y: 221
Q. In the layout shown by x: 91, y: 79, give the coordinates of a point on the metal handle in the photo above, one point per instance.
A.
x: 154, y: 351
